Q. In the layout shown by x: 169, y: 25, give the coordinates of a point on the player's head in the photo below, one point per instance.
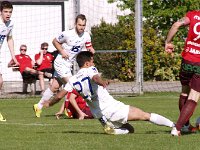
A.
x: 80, y: 24
x: 23, y: 49
x: 85, y: 59
x: 44, y: 47
x: 6, y: 10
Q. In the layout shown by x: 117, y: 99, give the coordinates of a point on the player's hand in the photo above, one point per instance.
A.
x: 105, y: 83
x: 169, y: 48
x: 64, y: 54
x: 82, y: 115
x: 41, y: 51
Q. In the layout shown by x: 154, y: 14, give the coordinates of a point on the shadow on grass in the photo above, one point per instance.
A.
x: 73, y: 132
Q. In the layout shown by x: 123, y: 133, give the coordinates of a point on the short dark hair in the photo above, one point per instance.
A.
x: 44, y: 44
x: 5, y: 4
x: 80, y: 16
x: 83, y: 57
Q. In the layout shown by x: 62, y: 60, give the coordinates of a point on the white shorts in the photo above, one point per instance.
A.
x: 62, y: 69
x: 116, y: 112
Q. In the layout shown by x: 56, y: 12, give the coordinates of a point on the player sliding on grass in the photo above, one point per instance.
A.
x: 111, y: 113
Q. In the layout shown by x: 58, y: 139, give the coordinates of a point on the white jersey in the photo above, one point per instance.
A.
x: 5, y: 30
x: 97, y: 97
x: 73, y: 44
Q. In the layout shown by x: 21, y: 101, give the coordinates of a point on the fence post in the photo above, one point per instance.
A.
x: 139, y: 47
x: 77, y: 11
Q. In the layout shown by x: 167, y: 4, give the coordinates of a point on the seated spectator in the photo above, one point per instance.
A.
x: 44, y: 61
x: 71, y: 112
x: 26, y: 64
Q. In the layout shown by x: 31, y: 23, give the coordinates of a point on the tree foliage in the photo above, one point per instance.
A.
x: 158, y: 17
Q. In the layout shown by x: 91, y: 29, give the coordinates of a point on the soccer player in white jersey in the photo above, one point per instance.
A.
x: 75, y: 40
x: 113, y: 114
x: 6, y: 27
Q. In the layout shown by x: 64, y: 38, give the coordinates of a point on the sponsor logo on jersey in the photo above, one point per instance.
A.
x: 61, y: 36
x: 197, y: 17
x: 194, y: 51
x: 2, y: 37
x: 193, y: 43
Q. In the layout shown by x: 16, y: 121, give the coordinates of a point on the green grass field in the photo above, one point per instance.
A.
x: 23, y: 131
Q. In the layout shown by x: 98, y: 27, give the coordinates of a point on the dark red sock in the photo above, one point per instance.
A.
x: 186, y: 113
x: 182, y: 101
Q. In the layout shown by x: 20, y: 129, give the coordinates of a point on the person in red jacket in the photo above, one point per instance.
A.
x: 44, y: 61
x: 26, y: 64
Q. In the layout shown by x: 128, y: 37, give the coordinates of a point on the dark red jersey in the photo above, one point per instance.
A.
x: 192, y: 45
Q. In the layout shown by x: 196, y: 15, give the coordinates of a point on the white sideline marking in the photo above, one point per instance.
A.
x: 29, y: 124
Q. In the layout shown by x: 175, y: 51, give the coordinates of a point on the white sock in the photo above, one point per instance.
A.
x: 160, y: 120
x: 121, y: 131
x: 45, y: 97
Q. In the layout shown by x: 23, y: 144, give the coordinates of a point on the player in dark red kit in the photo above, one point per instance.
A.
x: 82, y: 106
x: 190, y: 68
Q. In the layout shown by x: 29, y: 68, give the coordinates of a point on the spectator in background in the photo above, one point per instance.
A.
x: 44, y: 61
x: 26, y: 64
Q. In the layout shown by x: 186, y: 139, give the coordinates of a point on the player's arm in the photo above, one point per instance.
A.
x: 10, y: 42
x: 91, y: 49
x: 98, y: 80
x: 39, y: 59
x: 169, y: 47
x: 59, y: 47
x: 72, y: 99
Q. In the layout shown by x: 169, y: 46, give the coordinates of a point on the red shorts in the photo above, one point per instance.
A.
x: 81, y: 103
x: 190, y: 74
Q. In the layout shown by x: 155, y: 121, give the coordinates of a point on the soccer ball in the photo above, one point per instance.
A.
x: 198, y: 123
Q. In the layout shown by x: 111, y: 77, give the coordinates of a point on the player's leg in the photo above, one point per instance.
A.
x: 138, y: 114
x: 48, y: 93
x: 41, y: 82
x: 2, y: 118
x: 186, y: 111
x: 185, y: 77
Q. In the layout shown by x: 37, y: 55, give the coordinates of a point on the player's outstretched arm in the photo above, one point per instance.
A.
x: 169, y: 47
x: 98, y: 80
x: 81, y: 114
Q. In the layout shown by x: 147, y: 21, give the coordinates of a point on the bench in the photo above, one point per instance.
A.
x: 28, y: 80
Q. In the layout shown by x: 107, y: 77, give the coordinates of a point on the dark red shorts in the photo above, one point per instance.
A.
x: 190, y: 74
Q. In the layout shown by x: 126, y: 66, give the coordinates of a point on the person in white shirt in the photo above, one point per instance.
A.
x: 6, y: 27
x: 75, y: 41
x: 113, y: 115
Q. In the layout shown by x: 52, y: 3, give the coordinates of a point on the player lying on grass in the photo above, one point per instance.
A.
x: 71, y: 112
x: 114, y: 115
